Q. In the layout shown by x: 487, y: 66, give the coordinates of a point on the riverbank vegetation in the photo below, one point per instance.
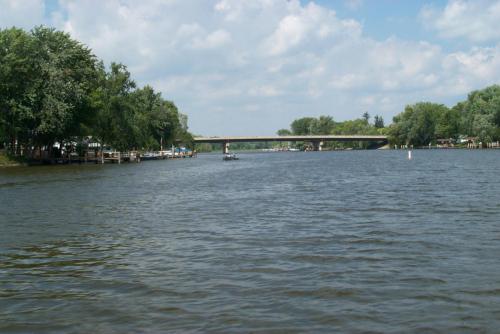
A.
x: 54, y: 90
x: 475, y: 120
x: 326, y: 125
x: 8, y: 161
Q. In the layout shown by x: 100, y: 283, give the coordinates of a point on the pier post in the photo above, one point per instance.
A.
x: 317, y: 145
x: 225, y: 147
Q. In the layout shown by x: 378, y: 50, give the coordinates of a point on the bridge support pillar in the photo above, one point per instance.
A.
x: 317, y: 145
x: 225, y: 147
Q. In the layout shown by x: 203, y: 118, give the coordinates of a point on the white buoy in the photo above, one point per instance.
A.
x: 409, y: 154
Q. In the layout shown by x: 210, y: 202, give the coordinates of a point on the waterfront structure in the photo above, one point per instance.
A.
x: 317, y: 141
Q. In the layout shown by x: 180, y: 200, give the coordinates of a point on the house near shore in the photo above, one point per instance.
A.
x: 445, y: 142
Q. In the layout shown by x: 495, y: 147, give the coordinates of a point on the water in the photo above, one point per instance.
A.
x: 359, y: 241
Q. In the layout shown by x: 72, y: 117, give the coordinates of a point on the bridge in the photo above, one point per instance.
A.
x: 316, y: 140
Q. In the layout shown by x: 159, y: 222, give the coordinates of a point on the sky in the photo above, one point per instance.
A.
x: 250, y: 67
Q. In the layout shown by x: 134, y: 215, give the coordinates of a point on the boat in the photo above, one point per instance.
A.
x: 230, y: 156
x: 149, y: 156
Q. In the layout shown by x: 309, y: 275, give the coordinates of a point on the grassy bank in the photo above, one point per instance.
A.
x: 6, y: 161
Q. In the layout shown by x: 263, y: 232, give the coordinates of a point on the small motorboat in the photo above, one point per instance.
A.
x: 149, y: 156
x: 230, y: 156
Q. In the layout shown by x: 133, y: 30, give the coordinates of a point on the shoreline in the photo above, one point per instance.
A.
x: 7, y: 162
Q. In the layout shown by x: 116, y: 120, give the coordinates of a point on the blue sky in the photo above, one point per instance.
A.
x: 250, y: 67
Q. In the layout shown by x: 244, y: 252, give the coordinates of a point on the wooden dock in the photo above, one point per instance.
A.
x: 116, y: 157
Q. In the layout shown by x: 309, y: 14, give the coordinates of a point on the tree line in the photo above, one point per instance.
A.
x: 326, y: 125
x: 477, y: 118
x: 54, y: 90
x: 420, y: 124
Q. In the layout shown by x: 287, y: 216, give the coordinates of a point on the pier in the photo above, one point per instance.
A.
x: 117, y: 157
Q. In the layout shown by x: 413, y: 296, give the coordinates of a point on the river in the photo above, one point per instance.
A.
x: 351, y: 241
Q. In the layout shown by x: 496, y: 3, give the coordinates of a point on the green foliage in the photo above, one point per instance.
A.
x: 482, y: 113
x: 448, y: 123
x: 53, y: 89
x: 417, y: 124
x: 366, y: 116
x: 325, y: 125
x: 483, y: 127
x: 423, y: 123
x: 378, y: 122
x: 302, y: 126
x: 66, y: 76
x: 322, y: 125
x: 312, y: 126
x: 17, y: 66
x: 7, y: 160
x: 284, y: 132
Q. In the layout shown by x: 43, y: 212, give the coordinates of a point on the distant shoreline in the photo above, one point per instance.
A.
x: 7, y: 162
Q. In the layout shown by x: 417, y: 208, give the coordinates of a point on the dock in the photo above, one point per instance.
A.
x: 117, y: 157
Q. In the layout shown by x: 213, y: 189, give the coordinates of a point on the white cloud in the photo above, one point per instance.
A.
x: 354, y: 4
x: 475, y: 20
x: 266, y: 90
x: 21, y: 13
x: 291, y: 31
x: 468, y: 70
x: 212, y: 40
x: 309, y: 24
x: 252, y: 66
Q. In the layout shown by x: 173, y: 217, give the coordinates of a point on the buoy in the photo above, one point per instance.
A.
x: 409, y: 155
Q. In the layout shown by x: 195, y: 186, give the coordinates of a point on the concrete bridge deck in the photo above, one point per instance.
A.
x: 316, y: 140
x: 289, y: 138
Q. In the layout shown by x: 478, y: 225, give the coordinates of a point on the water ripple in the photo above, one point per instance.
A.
x: 356, y: 242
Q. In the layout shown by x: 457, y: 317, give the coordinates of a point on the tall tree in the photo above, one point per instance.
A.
x: 283, y: 132
x: 17, y: 70
x: 302, y: 126
x: 481, y: 113
x: 113, y: 124
x: 378, y: 122
x: 67, y: 75
x: 323, y: 125
x: 448, y: 123
x: 417, y: 124
x: 366, y: 116
x: 53, y: 89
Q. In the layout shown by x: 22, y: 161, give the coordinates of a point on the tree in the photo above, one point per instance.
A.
x: 483, y: 128
x: 148, y: 119
x: 113, y: 124
x: 53, y: 89
x: 366, y: 116
x: 47, y: 80
x: 378, y: 122
x: 448, y: 123
x: 482, y: 108
x: 17, y: 68
x: 284, y: 132
x: 417, y: 124
x: 67, y: 77
x: 324, y: 125
x: 302, y: 126
x: 182, y: 134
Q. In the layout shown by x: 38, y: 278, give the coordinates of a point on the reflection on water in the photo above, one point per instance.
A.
x: 289, y: 242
